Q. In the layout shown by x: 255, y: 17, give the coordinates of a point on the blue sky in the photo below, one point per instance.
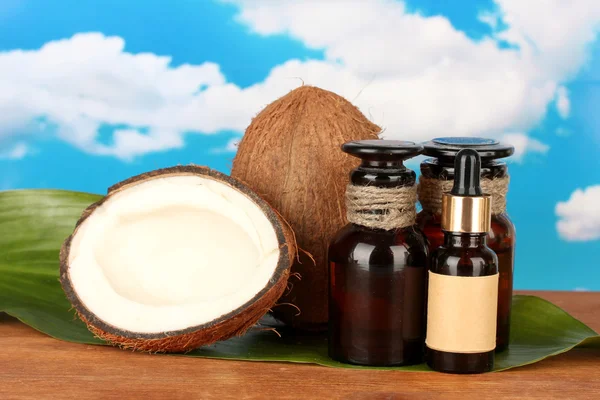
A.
x: 87, y: 97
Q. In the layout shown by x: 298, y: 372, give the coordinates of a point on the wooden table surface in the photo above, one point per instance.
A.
x: 34, y: 366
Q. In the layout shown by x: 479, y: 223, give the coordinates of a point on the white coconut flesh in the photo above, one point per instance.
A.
x: 172, y: 253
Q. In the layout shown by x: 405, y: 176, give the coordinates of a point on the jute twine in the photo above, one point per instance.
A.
x: 381, y: 208
x: 430, y: 192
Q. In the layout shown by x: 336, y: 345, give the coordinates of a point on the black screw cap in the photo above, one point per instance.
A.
x: 448, y: 147
x: 382, y: 150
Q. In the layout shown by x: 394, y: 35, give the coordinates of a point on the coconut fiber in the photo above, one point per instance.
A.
x: 290, y: 155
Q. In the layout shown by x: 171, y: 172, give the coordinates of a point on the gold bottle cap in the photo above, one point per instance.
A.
x: 466, y: 209
x: 466, y: 214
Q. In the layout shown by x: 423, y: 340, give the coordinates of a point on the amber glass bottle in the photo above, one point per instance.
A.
x: 501, y: 237
x: 378, y: 276
x: 463, y: 279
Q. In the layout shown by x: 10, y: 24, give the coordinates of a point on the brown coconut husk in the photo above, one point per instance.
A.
x: 290, y: 155
x: 235, y: 323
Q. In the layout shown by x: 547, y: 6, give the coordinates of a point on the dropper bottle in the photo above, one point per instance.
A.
x: 463, y: 278
x: 437, y: 176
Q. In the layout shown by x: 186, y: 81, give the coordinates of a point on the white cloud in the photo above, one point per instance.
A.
x: 524, y: 144
x: 490, y: 18
x: 81, y: 83
x: 563, y: 104
x: 230, y: 147
x: 579, y: 217
x: 581, y: 289
x: 562, y: 131
x: 19, y: 151
x: 553, y: 34
x: 418, y: 77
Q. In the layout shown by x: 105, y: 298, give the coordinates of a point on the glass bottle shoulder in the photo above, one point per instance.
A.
x: 464, y: 260
x: 358, y: 244
x: 502, y: 234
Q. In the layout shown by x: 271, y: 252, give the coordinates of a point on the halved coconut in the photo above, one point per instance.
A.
x: 175, y: 259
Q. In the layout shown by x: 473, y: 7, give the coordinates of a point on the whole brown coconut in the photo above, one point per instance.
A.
x: 290, y: 155
x: 164, y: 213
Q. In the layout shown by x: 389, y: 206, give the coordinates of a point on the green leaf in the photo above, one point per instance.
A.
x: 34, y: 223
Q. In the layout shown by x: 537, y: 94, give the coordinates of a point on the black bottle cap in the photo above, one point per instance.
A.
x: 467, y: 171
x: 448, y: 147
x: 382, y: 162
x: 382, y: 150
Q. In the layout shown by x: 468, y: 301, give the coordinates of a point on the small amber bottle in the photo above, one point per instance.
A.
x: 437, y: 174
x: 378, y: 262
x: 463, y: 278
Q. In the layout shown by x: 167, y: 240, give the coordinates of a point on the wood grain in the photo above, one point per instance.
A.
x: 34, y: 366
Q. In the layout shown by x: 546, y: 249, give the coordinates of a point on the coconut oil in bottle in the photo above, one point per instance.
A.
x: 437, y: 175
x: 378, y: 262
x: 463, y: 278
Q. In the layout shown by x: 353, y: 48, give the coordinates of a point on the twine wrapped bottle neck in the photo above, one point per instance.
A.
x: 430, y: 192
x: 381, y: 208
